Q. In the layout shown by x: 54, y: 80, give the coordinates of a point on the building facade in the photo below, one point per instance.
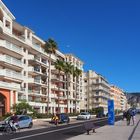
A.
x: 97, y: 91
x: 28, y: 73
x: 120, y: 101
x: 76, y: 84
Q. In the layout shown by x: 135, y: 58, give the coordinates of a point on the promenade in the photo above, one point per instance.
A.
x: 120, y: 131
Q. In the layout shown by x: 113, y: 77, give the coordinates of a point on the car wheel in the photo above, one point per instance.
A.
x: 30, y: 125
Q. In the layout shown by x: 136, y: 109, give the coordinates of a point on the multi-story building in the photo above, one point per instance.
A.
x: 117, y: 94
x: 97, y: 91
x: 25, y: 73
x: 76, y: 85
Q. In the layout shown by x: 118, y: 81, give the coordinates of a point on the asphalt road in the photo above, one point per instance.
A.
x: 61, y: 132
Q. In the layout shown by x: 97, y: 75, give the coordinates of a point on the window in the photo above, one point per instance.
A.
x: 24, y: 49
x: 24, y: 73
x: 24, y: 61
x: 7, y: 24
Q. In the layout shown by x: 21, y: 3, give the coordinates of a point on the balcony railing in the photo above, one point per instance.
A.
x: 11, y: 60
x: 11, y: 74
x: 9, y: 85
x: 1, y: 24
x: 10, y: 46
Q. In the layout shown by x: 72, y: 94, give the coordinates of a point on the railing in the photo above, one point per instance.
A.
x: 22, y: 38
x: 1, y: 24
x: 32, y: 80
x: 11, y: 60
x: 10, y: 46
x: 11, y: 74
x: 55, y: 77
x: 9, y: 85
x: 37, y: 47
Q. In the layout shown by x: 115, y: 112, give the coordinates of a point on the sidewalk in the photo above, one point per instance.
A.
x: 120, y: 131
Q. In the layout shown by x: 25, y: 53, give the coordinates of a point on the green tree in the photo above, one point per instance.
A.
x: 22, y: 108
x: 76, y: 73
x: 59, y: 65
x: 68, y: 68
x: 50, y: 47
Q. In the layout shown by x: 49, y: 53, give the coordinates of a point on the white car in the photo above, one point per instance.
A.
x: 84, y: 116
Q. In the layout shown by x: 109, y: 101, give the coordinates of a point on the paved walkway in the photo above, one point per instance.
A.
x: 120, y: 131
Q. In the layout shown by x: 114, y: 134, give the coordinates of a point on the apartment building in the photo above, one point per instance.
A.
x: 25, y: 71
x: 97, y: 91
x: 120, y: 101
x: 76, y: 85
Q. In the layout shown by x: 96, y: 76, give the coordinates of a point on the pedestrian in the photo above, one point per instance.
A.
x: 124, y: 115
x: 133, y: 113
x: 128, y: 117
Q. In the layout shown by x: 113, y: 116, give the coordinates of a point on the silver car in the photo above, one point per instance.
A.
x: 84, y: 116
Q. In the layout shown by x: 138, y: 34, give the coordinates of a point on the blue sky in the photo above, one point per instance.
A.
x: 105, y: 34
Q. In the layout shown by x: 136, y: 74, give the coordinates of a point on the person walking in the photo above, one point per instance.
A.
x: 133, y: 113
x: 128, y: 117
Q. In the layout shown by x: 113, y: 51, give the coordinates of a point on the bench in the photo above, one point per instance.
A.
x: 88, y: 126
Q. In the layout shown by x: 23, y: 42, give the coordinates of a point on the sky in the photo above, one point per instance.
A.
x: 104, y: 34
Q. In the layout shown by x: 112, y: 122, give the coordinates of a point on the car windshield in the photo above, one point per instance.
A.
x: 84, y: 113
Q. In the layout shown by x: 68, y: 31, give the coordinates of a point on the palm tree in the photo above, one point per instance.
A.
x: 50, y: 47
x: 76, y: 73
x: 59, y: 65
x: 68, y: 68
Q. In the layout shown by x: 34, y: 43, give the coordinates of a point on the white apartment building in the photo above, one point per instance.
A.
x: 24, y: 70
x: 97, y: 91
x: 76, y: 87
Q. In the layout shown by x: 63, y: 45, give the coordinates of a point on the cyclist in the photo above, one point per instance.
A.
x: 14, y: 121
x: 55, y: 118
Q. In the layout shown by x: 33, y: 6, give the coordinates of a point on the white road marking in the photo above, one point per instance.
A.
x: 43, y: 133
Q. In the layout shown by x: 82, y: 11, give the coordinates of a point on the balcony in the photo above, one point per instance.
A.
x: 1, y: 24
x: 11, y: 60
x: 19, y: 36
x: 9, y: 85
x: 34, y: 71
x: 30, y: 57
x: 37, y: 47
x: 10, y: 74
x: 54, y: 87
x: 10, y: 48
x: 57, y: 79
x: 34, y: 81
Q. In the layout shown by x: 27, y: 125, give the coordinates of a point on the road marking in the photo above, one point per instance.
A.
x: 43, y: 133
x: 46, y: 132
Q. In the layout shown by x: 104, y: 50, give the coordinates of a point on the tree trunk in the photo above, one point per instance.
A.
x: 49, y: 80
x: 67, y: 93
x: 59, y: 94
x: 76, y: 96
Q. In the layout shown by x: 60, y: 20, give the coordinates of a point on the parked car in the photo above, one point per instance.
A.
x: 62, y: 118
x: 84, y: 116
x: 24, y: 121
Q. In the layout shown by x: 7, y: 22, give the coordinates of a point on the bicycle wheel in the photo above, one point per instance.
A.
x: 8, y: 130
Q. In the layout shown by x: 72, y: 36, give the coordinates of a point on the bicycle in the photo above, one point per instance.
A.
x: 10, y: 129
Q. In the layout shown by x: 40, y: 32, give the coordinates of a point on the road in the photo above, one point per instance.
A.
x: 61, y: 132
